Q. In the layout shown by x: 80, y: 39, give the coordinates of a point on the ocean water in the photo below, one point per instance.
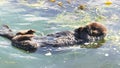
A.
x: 47, y: 17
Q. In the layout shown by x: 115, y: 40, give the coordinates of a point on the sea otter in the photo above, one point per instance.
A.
x: 27, y: 41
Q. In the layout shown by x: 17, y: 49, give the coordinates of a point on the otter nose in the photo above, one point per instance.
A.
x: 95, y: 31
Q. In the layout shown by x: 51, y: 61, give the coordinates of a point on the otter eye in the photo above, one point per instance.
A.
x: 93, y: 28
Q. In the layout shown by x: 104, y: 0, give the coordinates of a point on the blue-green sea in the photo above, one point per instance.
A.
x: 47, y: 16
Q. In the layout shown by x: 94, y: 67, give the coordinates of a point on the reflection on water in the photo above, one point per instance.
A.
x: 50, y: 17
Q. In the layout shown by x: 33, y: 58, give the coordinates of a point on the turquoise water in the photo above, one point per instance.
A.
x: 47, y: 17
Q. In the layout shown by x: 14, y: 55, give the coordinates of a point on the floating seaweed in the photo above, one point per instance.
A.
x: 60, y: 4
x: 68, y: 1
x: 52, y: 0
x: 108, y: 3
x: 82, y: 7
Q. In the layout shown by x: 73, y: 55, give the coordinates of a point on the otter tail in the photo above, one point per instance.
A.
x: 6, y: 32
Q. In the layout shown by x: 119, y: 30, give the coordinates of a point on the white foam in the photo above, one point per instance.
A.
x: 3, y: 46
x: 18, y: 10
x: 21, y: 56
x: 29, y: 15
x: 36, y: 18
x: 24, y: 23
x: 2, y: 2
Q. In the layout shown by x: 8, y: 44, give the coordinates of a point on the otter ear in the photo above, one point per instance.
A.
x: 79, y: 29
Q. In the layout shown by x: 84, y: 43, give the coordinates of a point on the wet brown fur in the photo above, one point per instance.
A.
x: 22, y: 39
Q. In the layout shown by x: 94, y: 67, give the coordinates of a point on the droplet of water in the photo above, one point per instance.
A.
x: 48, y: 54
x: 114, y: 49
x: 86, y: 43
x: 106, y: 54
x: 64, y: 61
x: 117, y: 51
x: 59, y: 48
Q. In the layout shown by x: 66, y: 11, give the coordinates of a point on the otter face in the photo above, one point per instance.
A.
x: 24, y: 32
x: 96, y: 29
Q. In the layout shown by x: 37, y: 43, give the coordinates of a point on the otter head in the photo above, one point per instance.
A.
x: 24, y: 32
x: 91, y: 31
x: 96, y: 29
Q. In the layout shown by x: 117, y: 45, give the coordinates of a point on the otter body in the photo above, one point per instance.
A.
x: 27, y: 41
x: 66, y: 38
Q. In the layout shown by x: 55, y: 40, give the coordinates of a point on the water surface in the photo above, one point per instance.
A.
x: 46, y: 17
